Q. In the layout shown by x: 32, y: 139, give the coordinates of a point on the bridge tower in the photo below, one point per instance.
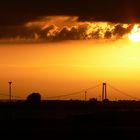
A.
x: 104, y: 94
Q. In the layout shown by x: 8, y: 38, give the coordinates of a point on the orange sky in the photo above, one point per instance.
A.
x: 69, y: 66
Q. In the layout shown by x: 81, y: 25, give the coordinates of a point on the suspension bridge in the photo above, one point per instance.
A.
x: 102, y: 91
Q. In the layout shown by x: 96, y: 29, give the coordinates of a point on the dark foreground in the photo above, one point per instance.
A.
x: 70, y: 120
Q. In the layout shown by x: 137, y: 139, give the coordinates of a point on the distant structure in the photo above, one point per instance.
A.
x: 34, y: 99
x: 85, y: 95
x: 10, y: 91
x: 104, y: 94
x: 99, y: 98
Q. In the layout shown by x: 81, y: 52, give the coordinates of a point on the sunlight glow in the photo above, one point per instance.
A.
x: 135, y: 34
x: 69, y: 66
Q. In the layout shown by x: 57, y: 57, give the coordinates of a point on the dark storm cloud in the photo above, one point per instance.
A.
x: 16, y: 12
x: 64, y: 28
x: 119, y: 30
x: 75, y: 33
x: 12, y: 32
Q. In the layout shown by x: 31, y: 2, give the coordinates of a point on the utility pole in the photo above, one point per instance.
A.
x: 10, y: 91
x: 85, y: 95
x: 99, y: 98
x: 104, y: 94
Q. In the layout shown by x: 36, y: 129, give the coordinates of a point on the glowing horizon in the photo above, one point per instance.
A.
x: 69, y: 66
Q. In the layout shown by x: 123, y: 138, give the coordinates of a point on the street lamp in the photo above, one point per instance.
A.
x: 10, y: 91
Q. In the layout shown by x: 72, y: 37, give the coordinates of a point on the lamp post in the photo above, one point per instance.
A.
x: 10, y: 91
x: 85, y: 95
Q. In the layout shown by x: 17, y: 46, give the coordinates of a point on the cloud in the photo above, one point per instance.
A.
x: 12, y: 32
x: 56, y: 28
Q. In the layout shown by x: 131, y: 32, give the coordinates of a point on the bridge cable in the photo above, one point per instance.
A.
x: 130, y: 96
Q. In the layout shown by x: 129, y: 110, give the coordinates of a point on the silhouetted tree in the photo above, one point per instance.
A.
x: 34, y: 99
x: 106, y: 101
x: 93, y: 100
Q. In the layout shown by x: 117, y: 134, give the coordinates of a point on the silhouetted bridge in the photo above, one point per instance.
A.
x: 103, y: 94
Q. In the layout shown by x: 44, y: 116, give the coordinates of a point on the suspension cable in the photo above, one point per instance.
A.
x: 128, y: 95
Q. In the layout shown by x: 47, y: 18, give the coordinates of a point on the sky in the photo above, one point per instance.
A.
x: 18, y: 12
x: 62, y: 47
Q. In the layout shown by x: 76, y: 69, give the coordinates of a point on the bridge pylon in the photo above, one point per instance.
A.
x: 104, y: 93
